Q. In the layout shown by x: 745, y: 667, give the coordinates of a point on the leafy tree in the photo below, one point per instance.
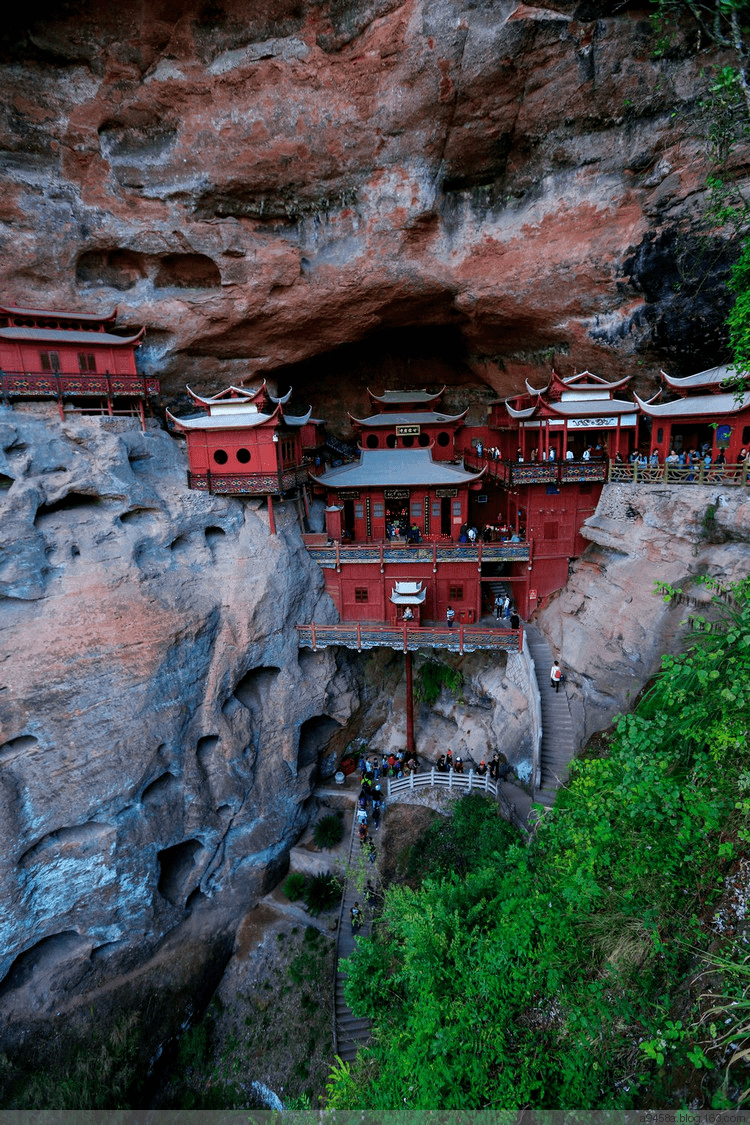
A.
x: 555, y: 975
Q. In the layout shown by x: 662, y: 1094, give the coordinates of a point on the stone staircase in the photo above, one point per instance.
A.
x: 350, y: 1033
x: 558, y: 744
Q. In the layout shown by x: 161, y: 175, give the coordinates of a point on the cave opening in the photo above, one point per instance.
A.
x: 394, y: 358
x: 314, y: 737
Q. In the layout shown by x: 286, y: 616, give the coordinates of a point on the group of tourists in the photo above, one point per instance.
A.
x: 497, y: 770
x: 395, y: 764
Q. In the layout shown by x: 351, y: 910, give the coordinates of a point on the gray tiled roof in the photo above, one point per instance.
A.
x: 695, y: 405
x: 394, y: 467
x: 396, y: 418
x: 62, y: 336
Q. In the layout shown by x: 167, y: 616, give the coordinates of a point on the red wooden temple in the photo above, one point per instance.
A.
x: 79, y: 359
x: 244, y: 443
x: 705, y: 412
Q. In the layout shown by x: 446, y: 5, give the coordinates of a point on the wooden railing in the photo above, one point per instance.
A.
x: 43, y: 384
x: 470, y: 782
x: 338, y: 553
x: 409, y: 638
x: 731, y: 475
x: 249, y: 484
x: 513, y: 473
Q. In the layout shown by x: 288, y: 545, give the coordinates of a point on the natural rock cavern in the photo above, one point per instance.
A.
x: 333, y: 194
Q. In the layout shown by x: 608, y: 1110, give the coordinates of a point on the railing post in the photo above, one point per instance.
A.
x: 461, y: 638
x: 434, y: 556
x: 389, y: 786
x: 338, y: 557
x: 382, y: 564
x: 312, y: 635
x: 403, y: 629
x: 701, y: 471
x: 432, y: 776
x: 359, y: 637
x: 471, y: 775
x: 411, y: 779
x: 450, y: 779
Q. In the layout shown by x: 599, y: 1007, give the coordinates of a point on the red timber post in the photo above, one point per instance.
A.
x: 409, y: 706
x: 271, y: 520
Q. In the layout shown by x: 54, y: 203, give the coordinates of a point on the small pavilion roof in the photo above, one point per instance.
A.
x: 695, y: 406
x: 408, y: 593
x: 59, y: 314
x: 246, y: 419
x: 582, y: 381
x: 404, y: 398
x: 230, y: 396
x: 70, y: 336
x: 416, y: 418
x: 713, y: 377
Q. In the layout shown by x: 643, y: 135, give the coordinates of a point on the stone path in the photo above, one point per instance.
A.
x: 558, y: 745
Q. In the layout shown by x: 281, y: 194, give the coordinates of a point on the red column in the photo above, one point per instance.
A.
x: 271, y: 521
x: 409, y: 707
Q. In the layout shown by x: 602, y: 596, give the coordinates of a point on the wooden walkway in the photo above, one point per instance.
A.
x: 558, y: 744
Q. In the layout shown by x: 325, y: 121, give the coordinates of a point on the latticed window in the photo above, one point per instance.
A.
x: 361, y: 594
x: 50, y: 361
x: 86, y: 362
x: 456, y: 593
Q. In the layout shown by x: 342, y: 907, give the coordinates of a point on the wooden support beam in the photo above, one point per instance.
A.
x: 409, y: 705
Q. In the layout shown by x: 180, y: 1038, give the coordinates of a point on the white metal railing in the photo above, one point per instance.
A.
x: 466, y: 782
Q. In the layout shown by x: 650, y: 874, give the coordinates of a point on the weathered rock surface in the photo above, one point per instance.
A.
x: 609, y: 625
x: 488, y: 712
x: 159, y: 730
x: 468, y: 187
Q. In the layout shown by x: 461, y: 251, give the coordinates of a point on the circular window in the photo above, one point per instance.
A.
x: 424, y: 440
x: 443, y: 438
x: 221, y: 456
x: 372, y: 441
x: 243, y: 456
x: 390, y: 441
x: 408, y: 441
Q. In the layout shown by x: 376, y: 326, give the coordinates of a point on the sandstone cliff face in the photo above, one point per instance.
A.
x: 609, y: 625
x: 158, y: 727
x: 453, y: 190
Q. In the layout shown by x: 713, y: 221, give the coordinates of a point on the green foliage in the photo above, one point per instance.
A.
x: 322, y: 893
x: 99, y: 1074
x: 329, y: 831
x: 738, y: 320
x: 557, y: 975
x: 432, y: 677
x: 294, y: 887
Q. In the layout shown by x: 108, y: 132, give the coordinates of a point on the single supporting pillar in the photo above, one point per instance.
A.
x: 409, y: 707
x: 271, y: 520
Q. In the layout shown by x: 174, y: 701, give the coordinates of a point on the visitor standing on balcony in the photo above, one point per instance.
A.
x: 450, y: 616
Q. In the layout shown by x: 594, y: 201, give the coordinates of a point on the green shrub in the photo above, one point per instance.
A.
x: 294, y: 887
x: 321, y: 893
x: 329, y: 831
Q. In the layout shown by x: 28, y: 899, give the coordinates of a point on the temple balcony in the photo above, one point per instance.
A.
x: 410, y: 638
x: 250, y: 484
x: 340, y: 554
x: 57, y: 384
x: 513, y: 473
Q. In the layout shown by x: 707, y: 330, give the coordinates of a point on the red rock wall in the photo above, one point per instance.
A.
x: 487, y: 185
